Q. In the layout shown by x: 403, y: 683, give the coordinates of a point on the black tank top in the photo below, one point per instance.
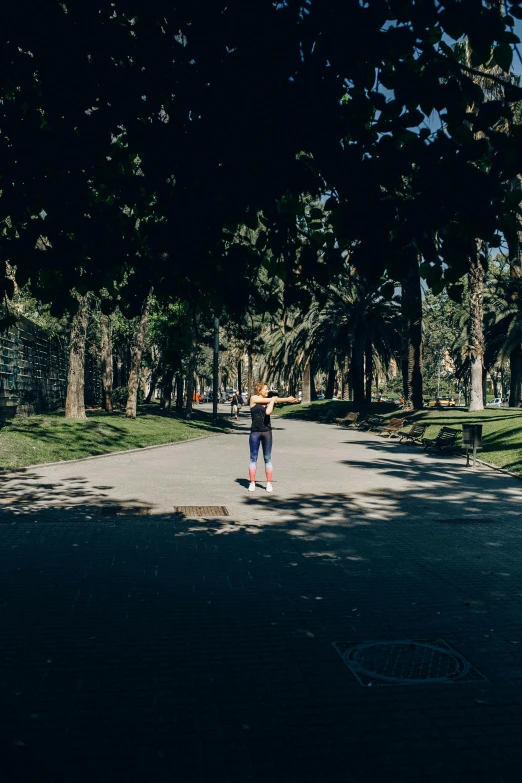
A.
x: 260, y: 421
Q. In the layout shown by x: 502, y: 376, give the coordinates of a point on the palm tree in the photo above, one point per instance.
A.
x: 513, y: 235
x: 411, y: 358
x: 354, y: 325
x: 476, y: 345
x: 492, y: 90
x: 374, y: 325
x: 289, y: 349
x: 504, y: 324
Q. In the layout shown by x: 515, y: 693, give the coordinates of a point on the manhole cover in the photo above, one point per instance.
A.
x: 466, y: 520
x: 406, y: 662
x: 202, y: 511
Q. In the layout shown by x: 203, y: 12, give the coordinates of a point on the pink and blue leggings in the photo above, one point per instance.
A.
x: 265, y: 440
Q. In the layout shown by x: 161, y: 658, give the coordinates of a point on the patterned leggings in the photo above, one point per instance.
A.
x: 265, y: 439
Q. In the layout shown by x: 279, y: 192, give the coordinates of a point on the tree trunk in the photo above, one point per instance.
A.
x: 465, y: 384
x: 75, y: 399
x: 330, y: 384
x: 404, y: 362
x: 306, y: 380
x: 239, y: 379
x: 136, y: 354
x: 179, y: 392
x: 494, y: 381
x: 190, y: 394
x: 152, y: 387
x: 106, y: 362
x: 191, y: 367
x: 405, y: 378
x: 346, y: 380
x: 250, y: 373
x: 118, y: 364
x: 368, y: 370
x: 313, y: 391
x: 476, y: 328
x: 411, y: 364
x: 357, y: 368
x: 515, y: 387
x: 155, y: 374
x: 166, y: 395
x: 513, y: 234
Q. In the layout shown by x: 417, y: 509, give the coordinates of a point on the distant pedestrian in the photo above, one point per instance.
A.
x: 234, y: 406
x: 261, y: 406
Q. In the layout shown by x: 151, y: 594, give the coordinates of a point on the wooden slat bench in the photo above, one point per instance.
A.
x: 415, y: 434
x: 445, y: 440
x: 370, y: 422
x: 392, y: 428
x: 349, y: 419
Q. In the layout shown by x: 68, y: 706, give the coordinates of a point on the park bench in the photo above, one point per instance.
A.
x: 445, y: 440
x: 415, y: 434
x: 369, y: 423
x: 349, y: 419
x: 392, y: 428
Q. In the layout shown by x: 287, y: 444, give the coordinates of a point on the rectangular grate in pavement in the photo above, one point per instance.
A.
x: 202, y: 511
x: 406, y: 662
x: 467, y: 521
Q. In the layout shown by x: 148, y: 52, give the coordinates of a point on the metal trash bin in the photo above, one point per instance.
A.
x: 472, y: 441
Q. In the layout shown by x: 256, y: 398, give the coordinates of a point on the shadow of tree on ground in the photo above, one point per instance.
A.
x: 164, y: 644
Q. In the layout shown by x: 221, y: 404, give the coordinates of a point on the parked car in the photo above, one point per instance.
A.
x: 206, y: 398
x: 441, y: 402
x: 320, y: 396
x: 496, y: 403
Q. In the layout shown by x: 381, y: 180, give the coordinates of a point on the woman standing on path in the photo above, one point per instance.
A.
x: 261, y: 406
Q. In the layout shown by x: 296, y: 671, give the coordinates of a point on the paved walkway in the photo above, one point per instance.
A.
x: 140, y: 646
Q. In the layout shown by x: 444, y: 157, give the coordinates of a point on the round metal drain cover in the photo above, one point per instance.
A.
x: 406, y: 661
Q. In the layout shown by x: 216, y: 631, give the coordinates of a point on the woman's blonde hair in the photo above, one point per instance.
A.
x: 258, y: 385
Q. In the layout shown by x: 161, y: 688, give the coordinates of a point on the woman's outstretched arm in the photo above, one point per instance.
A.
x: 273, y: 400
x: 256, y: 398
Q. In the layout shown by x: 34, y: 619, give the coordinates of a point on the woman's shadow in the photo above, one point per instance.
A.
x: 245, y: 483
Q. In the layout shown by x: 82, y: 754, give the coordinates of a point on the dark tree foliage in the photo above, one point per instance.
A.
x: 138, y: 136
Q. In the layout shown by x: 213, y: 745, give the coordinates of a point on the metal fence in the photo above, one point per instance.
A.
x: 33, y: 372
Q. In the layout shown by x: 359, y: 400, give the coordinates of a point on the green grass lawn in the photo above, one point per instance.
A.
x: 501, y: 433
x: 53, y: 438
